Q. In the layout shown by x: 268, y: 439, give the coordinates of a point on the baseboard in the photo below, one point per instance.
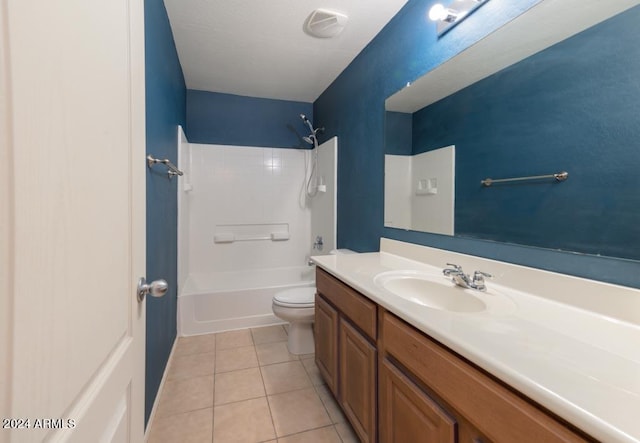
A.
x: 159, y: 393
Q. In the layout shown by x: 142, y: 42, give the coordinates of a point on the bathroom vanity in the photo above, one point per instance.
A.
x: 514, y: 368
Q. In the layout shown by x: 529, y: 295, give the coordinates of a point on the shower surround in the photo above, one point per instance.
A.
x: 246, y: 231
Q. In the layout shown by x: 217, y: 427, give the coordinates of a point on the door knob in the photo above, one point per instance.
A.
x: 156, y: 288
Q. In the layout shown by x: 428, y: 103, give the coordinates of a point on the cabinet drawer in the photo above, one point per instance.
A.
x: 491, y: 407
x: 360, y: 310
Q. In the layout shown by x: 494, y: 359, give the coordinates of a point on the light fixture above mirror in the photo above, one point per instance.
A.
x: 446, y: 17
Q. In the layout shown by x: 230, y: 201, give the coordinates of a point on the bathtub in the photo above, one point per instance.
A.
x: 223, y: 301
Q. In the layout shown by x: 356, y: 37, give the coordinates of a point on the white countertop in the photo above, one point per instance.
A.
x: 580, y: 364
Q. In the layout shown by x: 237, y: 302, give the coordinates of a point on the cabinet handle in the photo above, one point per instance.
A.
x: 477, y: 440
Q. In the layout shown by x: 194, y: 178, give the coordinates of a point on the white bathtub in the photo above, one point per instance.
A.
x: 223, y: 301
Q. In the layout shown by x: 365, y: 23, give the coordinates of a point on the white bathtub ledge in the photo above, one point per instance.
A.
x: 230, y: 300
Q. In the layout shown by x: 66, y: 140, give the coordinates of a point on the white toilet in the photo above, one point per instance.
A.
x: 297, y: 307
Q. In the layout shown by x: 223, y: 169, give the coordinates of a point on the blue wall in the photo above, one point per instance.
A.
x: 165, y: 110
x: 573, y: 107
x: 353, y: 109
x: 398, y: 133
x: 353, y: 106
x: 227, y: 119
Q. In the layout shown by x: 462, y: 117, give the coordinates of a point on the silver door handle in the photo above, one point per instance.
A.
x: 156, y: 288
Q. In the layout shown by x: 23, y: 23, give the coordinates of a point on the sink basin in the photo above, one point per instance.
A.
x: 433, y: 291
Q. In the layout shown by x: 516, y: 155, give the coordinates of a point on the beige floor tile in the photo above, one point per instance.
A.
x: 346, y: 433
x: 238, y: 385
x: 306, y: 356
x: 233, y: 339
x: 190, y: 427
x: 195, y: 344
x: 188, y: 394
x: 268, y: 334
x: 312, y: 371
x: 329, y: 402
x: 269, y: 353
x: 247, y: 421
x: 237, y: 358
x: 323, y: 435
x: 299, y: 407
x: 284, y: 377
x: 297, y: 411
x: 192, y: 365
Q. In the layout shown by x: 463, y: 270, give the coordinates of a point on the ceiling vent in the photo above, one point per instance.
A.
x: 323, y: 23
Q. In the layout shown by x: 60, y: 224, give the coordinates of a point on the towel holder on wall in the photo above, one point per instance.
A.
x: 172, y: 169
x: 560, y: 176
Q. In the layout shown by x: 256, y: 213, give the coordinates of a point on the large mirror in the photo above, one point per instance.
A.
x: 528, y: 100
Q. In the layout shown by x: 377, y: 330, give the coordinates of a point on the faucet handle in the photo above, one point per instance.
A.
x: 478, y: 276
x: 455, y: 269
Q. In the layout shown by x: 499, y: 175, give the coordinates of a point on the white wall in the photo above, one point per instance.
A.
x: 410, y: 202
x: 246, y: 191
x: 323, y: 204
x: 184, y: 186
x: 397, y: 191
x: 433, y: 212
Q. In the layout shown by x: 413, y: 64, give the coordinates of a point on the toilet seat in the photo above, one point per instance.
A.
x: 296, y: 297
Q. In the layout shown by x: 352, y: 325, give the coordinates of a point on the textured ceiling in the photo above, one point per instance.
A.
x: 258, y: 48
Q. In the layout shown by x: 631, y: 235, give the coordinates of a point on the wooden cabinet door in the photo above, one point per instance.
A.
x: 326, y: 343
x: 485, y: 403
x: 358, y: 381
x: 407, y: 414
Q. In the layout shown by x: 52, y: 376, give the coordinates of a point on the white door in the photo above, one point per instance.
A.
x: 73, y: 220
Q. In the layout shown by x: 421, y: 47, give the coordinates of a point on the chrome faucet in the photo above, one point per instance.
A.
x: 309, y: 261
x: 463, y: 280
x: 318, y: 243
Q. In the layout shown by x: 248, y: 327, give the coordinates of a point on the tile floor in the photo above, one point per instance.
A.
x: 244, y: 386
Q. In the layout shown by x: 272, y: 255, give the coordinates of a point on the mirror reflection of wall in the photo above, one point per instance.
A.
x: 574, y: 106
x: 421, y: 191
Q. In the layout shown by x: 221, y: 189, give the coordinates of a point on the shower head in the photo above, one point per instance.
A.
x: 307, y: 122
x: 312, y: 139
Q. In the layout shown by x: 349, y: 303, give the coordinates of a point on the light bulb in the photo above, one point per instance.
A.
x: 437, y: 12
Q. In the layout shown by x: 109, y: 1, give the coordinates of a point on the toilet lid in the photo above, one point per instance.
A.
x: 296, y: 297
